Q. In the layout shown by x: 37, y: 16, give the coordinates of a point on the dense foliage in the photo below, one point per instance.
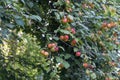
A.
x: 59, y: 39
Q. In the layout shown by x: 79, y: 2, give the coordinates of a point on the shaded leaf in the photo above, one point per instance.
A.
x: 36, y: 17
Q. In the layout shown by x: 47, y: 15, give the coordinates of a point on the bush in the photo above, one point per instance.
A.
x: 21, y: 58
x: 79, y: 40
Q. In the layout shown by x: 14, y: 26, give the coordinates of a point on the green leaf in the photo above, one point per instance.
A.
x: 80, y: 41
x: 61, y: 14
x: 62, y: 48
x: 36, y: 17
x: 64, y: 31
x: 30, y: 4
x: 1, y: 7
x: 56, y: 38
x: 70, y: 17
x: 57, y: 16
x: 52, y: 74
x: 61, y: 55
x: 59, y: 60
x: 85, y: 27
x: 67, y: 56
x: 10, y: 25
x: 23, y: 1
x: 17, y: 16
x: 20, y: 22
x: 93, y: 76
x: 66, y: 64
x: 75, y: 49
